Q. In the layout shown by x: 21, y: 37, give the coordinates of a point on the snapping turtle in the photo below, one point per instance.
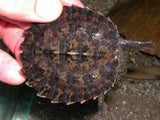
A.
x: 75, y: 58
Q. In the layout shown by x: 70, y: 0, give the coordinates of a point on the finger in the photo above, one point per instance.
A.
x: 10, y: 69
x: 12, y: 36
x: 23, y: 25
x: 31, y: 10
x: 72, y: 2
x: 2, y: 25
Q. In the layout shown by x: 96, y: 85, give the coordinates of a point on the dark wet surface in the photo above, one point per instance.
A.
x: 104, y: 6
x: 135, y: 97
x: 139, y: 20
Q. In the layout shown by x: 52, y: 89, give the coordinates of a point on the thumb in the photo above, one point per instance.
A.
x: 10, y: 69
x: 30, y: 10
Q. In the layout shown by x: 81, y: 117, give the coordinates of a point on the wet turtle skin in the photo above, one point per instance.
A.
x: 72, y: 59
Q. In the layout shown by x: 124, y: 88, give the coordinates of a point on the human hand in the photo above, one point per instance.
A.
x: 15, y: 17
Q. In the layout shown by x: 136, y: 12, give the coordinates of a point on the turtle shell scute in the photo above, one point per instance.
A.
x: 72, y: 59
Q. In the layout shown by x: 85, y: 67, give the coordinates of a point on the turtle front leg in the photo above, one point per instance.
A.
x: 102, y: 106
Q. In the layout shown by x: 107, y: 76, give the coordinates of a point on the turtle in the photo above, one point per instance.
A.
x: 75, y: 58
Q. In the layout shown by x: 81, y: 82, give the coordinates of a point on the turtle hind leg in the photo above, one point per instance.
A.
x: 102, y: 106
x: 102, y: 109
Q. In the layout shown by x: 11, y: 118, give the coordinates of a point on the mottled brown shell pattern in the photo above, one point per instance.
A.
x: 72, y: 59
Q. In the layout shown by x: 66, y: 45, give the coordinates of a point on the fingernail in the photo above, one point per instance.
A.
x: 48, y: 9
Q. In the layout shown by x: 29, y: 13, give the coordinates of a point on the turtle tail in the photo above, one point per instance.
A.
x: 136, y: 44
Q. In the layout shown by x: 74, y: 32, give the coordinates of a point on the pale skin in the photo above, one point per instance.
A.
x: 15, y: 17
